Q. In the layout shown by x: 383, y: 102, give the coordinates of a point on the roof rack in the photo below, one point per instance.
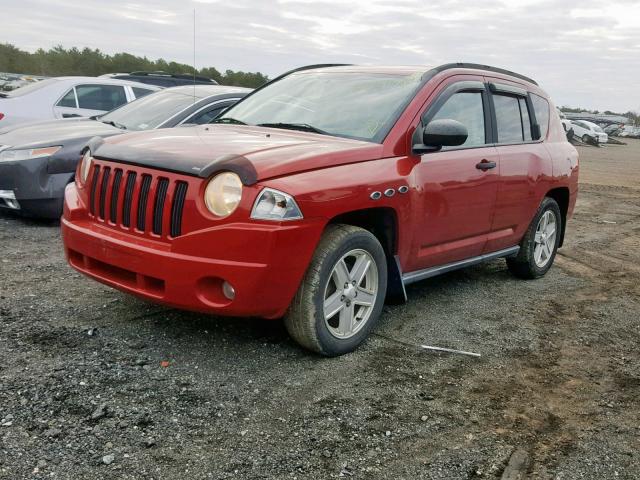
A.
x: 184, y: 76
x: 477, y: 66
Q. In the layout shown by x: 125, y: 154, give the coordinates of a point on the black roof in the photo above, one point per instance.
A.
x: 183, y: 76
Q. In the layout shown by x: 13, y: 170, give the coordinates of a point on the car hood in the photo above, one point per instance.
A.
x: 255, y: 153
x: 54, y: 132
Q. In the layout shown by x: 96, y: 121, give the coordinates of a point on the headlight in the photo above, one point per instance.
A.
x: 223, y: 194
x: 27, y: 154
x: 85, y: 166
x: 275, y: 205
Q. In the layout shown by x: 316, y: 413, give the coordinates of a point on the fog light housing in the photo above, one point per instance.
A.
x: 9, y: 199
x: 228, y: 290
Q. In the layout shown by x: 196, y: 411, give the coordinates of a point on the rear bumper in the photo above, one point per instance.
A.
x: 263, y: 263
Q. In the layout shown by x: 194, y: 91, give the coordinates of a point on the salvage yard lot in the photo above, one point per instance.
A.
x: 86, y: 390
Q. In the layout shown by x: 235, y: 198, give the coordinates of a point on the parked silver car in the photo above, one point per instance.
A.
x: 38, y: 160
x: 66, y: 97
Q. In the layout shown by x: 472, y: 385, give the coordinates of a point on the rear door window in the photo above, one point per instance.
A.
x: 466, y: 108
x: 141, y: 92
x: 509, y: 119
x: 100, y: 97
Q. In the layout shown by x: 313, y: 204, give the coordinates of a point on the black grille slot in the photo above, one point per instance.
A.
x: 142, y: 201
x: 176, y: 208
x: 94, y: 187
x: 158, y: 207
x: 128, y: 199
x: 103, y: 190
x: 115, y: 191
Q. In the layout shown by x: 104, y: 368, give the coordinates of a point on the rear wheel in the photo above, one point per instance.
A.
x: 585, y: 138
x: 341, y: 296
x: 540, y: 244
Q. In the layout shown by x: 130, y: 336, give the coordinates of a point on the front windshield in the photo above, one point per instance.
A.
x: 598, y: 129
x: 356, y: 105
x: 150, y: 111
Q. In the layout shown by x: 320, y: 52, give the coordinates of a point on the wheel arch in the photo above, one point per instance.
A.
x: 382, y: 222
x: 561, y: 196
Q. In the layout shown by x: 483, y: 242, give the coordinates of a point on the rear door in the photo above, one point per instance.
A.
x: 525, y: 164
x: 459, y: 184
x: 67, y: 105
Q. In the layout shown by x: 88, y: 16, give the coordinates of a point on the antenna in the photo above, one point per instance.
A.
x: 194, y: 55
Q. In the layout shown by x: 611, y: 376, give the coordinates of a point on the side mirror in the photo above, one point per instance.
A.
x: 442, y: 133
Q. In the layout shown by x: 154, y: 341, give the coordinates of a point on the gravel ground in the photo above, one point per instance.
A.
x: 97, y: 384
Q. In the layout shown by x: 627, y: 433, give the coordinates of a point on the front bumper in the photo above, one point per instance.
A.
x: 37, y: 192
x: 264, y: 263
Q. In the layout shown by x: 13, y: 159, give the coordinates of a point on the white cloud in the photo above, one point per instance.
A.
x: 582, y: 54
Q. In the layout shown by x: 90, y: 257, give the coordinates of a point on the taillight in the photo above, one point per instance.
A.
x: 1, y: 116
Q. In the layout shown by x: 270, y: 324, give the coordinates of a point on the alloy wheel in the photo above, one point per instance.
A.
x: 545, y: 239
x: 350, y: 293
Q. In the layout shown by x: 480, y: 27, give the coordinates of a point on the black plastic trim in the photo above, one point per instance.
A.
x: 142, y: 202
x: 115, y: 193
x: 158, y: 207
x: 418, y: 275
x: 176, y: 209
x: 94, y: 186
x: 487, y: 68
x: 128, y: 198
x: 504, y: 88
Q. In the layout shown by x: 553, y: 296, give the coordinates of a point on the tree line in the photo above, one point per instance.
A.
x: 59, y: 61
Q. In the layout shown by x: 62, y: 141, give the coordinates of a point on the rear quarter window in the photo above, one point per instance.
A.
x: 141, y: 92
x: 541, y: 108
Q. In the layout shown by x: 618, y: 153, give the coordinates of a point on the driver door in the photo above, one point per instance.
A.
x: 459, y: 184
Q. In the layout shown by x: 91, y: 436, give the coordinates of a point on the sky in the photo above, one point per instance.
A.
x: 583, y: 53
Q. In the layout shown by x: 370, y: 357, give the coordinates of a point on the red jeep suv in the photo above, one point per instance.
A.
x: 325, y: 192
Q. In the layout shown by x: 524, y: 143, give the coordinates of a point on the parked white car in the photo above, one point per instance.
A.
x: 66, y: 97
x: 585, y: 130
x: 566, y: 123
x: 630, y: 131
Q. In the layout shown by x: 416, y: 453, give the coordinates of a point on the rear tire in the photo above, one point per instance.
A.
x: 539, y: 246
x: 341, y: 296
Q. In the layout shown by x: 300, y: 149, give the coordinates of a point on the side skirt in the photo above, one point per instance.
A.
x: 411, y: 277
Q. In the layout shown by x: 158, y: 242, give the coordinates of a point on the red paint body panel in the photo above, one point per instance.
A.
x: 451, y: 210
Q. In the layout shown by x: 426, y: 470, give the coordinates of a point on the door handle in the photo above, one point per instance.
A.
x: 485, y: 165
x: 70, y: 115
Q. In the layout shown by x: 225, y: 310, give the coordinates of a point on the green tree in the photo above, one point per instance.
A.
x: 59, y: 61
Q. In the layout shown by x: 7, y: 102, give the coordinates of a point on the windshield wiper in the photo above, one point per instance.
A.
x: 303, y: 127
x: 228, y: 120
x: 114, y: 124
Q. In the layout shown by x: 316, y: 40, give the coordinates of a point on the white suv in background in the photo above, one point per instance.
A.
x: 585, y: 130
x: 66, y: 97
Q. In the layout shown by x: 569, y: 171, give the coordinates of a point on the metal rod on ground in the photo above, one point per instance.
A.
x: 449, y: 350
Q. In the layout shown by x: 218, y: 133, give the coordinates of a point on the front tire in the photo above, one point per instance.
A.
x: 540, y: 244
x: 341, y: 296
